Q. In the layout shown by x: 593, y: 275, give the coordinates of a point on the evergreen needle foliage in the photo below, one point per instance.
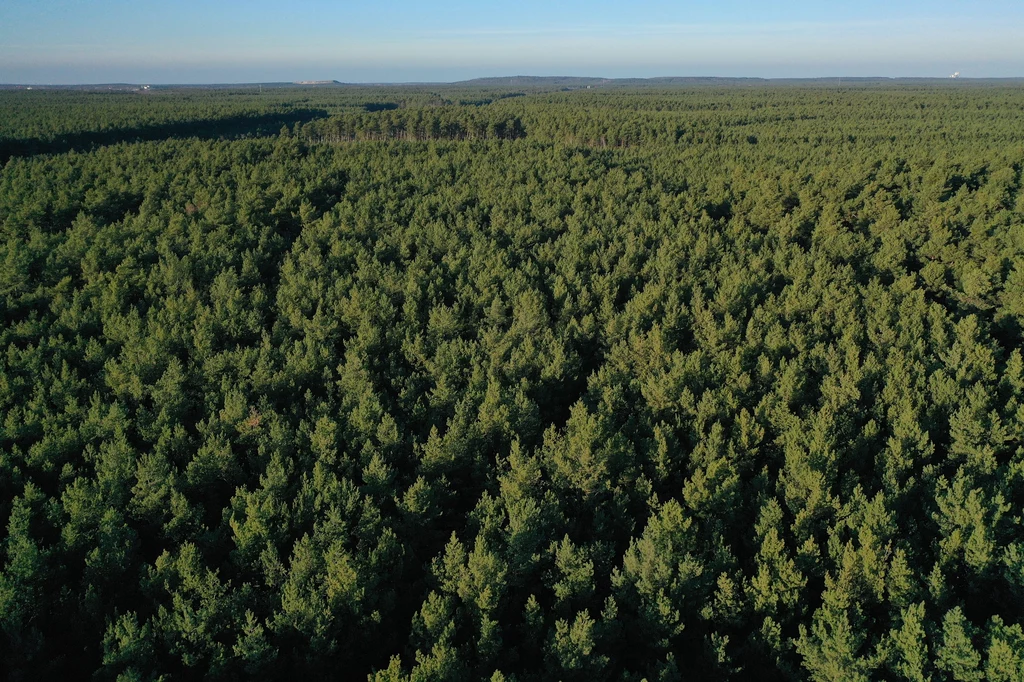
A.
x: 461, y: 384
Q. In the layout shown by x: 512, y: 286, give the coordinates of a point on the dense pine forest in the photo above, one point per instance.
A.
x: 473, y: 383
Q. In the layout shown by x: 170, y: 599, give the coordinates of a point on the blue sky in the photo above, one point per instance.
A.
x: 185, y: 41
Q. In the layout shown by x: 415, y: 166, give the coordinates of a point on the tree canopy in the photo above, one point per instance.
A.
x: 427, y: 383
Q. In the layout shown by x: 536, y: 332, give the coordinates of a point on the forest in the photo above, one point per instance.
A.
x: 516, y: 384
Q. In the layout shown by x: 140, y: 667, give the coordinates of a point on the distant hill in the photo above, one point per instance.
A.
x: 582, y: 81
x: 661, y: 81
x: 547, y: 83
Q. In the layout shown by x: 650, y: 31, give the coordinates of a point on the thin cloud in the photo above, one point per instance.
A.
x: 738, y: 28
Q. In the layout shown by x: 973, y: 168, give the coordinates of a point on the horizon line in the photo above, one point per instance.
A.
x: 329, y: 82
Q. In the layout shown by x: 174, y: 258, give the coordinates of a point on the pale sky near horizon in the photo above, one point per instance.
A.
x: 188, y: 41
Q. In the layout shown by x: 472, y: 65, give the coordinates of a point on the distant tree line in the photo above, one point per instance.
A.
x: 435, y: 123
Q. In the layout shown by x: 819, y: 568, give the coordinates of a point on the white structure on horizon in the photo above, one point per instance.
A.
x: 955, y: 75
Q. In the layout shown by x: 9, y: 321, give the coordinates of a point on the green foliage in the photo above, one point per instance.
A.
x: 441, y: 383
